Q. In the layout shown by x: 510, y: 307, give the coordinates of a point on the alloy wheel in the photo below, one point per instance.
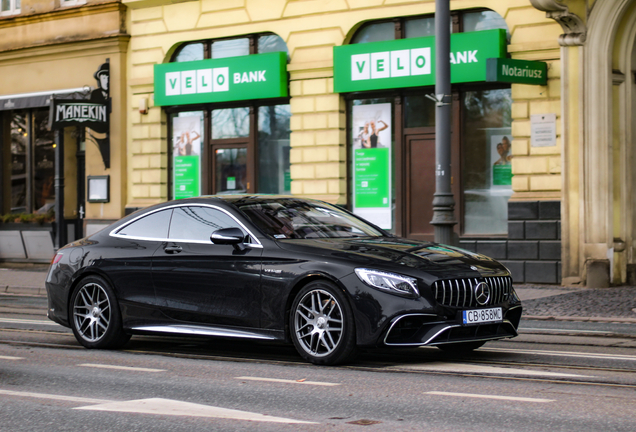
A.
x: 92, y: 312
x: 318, y: 323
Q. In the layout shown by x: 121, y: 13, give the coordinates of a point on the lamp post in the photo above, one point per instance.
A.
x: 443, y: 201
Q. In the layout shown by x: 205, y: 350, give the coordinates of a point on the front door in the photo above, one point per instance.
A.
x: 197, y: 281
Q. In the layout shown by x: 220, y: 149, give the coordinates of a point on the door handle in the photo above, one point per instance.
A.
x: 174, y: 249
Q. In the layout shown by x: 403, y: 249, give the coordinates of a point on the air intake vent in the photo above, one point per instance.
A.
x: 461, y: 292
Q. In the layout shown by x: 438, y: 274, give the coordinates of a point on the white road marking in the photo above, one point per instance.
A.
x: 11, y: 358
x: 563, y: 354
x: 160, y: 406
x: 128, y: 368
x: 507, y: 398
x: 473, y: 368
x: 54, y: 397
x: 317, y: 383
x: 26, y: 321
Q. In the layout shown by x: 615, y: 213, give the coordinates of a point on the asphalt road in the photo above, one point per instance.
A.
x: 556, y: 376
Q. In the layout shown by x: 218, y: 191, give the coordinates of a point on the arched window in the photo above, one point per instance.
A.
x: 403, y: 120
x: 243, y: 146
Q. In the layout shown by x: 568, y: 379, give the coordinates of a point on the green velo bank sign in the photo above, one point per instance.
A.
x: 258, y: 76
x: 411, y: 62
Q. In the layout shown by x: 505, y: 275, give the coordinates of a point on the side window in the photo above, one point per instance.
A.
x: 153, y: 226
x: 198, y: 223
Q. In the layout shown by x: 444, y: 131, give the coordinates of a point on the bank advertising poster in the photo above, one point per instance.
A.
x: 186, y: 154
x: 372, y: 132
x: 500, y: 158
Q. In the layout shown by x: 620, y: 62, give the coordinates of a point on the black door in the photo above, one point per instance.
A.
x: 200, y: 282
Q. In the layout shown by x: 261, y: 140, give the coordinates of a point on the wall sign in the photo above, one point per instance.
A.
x: 543, y: 130
x: 371, y: 139
x: 93, y: 114
x: 516, y: 71
x: 257, y: 76
x: 411, y: 62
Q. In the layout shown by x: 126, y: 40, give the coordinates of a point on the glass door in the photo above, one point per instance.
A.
x: 230, y: 169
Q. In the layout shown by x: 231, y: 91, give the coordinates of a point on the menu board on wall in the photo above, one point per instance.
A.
x: 372, y: 132
x: 186, y: 154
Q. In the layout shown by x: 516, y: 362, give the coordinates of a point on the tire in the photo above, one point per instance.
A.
x: 94, y: 315
x: 461, y: 347
x: 321, y: 324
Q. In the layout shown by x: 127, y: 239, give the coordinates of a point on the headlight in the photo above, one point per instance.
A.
x: 390, y: 282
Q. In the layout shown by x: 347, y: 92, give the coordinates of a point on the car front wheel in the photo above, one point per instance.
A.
x: 95, y: 317
x: 321, y: 324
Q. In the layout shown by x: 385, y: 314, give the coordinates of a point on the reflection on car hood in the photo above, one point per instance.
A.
x: 439, y: 260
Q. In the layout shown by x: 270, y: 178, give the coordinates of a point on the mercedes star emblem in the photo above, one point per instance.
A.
x: 482, y: 293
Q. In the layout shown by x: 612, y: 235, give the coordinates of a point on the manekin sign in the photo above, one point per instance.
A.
x: 72, y: 112
x: 257, y: 76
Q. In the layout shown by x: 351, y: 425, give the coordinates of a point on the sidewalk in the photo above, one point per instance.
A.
x: 544, y: 302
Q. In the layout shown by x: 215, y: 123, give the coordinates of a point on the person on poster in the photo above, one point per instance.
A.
x: 374, y: 137
x: 184, y: 143
x: 503, y: 149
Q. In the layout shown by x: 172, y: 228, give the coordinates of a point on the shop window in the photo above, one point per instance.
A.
x: 271, y: 43
x: 190, y: 52
x: 9, y: 7
x: 483, y: 20
x: 486, y: 160
x: 419, y: 27
x: 273, y: 146
x: 375, y: 32
x: 230, y: 123
x: 230, y: 48
x: 480, y: 149
x: 247, y: 149
x: 32, y: 162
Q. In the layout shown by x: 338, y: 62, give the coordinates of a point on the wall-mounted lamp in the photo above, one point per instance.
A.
x: 143, y: 105
x: 98, y: 189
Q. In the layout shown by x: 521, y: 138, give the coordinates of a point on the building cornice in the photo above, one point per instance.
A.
x: 574, y: 29
x: 64, y: 13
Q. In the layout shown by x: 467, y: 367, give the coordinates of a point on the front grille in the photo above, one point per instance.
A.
x: 461, y: 292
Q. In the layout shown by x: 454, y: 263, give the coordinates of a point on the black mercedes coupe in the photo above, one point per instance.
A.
x: 276, y: 268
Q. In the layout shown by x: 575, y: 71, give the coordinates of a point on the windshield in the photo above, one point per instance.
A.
x: 297, y: 219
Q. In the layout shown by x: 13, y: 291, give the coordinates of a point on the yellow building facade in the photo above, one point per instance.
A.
x: 541, y: 171
x: 320, y: 121
x: 49, y: 50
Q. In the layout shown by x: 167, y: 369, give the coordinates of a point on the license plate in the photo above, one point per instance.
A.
x: 480, y: 316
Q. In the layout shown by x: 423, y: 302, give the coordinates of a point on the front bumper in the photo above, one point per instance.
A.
x: 426, y: 329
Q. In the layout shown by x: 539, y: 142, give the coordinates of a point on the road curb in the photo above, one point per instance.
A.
x: 23, y: 290
x: 581, y: 319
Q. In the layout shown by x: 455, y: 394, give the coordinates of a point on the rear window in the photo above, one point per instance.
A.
x: 153, y: 226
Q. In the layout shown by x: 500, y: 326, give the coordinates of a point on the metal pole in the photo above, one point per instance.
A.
x: 443, y: 201
x: 60, y: 232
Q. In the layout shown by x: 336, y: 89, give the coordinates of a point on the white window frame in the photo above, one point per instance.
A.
x: 65, y: 3
x: 12, y: 9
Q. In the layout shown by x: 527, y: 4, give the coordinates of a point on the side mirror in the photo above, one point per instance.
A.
x: 229, y: 236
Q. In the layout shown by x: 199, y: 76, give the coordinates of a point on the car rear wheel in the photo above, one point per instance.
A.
x: 321, y: 324
x: 461, y: 347
x: 95, y: 316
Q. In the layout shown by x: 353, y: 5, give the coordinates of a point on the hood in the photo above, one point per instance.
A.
x: 441, y: 261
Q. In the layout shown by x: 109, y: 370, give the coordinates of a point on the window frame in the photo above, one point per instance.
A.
x: 13, y: 10
x: 255, y: 244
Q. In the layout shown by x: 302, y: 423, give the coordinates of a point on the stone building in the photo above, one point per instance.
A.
x: 328, y: 100
x: 54, y: 49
